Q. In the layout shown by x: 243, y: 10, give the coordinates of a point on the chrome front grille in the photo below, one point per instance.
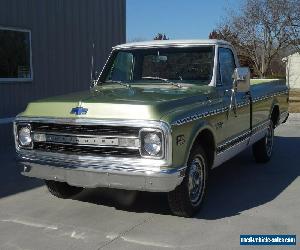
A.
x: 83, y: 139
x: 86, y: 150
x: 86, y: 129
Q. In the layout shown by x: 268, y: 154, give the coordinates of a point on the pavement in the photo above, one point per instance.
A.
x: 243, y: 198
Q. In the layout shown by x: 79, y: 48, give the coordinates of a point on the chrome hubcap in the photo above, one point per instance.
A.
x: 196, y: 180
x: 269, y: 139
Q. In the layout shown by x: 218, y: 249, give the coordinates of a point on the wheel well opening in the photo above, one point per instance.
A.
x: 275, y: 115
x: 206, y: 139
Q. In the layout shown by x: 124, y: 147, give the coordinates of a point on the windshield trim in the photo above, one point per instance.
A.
x: 102, y: 76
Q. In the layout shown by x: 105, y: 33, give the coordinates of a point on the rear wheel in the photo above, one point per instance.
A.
x: 62, y: 189
x: 188, y: 197
x: 262, y: 150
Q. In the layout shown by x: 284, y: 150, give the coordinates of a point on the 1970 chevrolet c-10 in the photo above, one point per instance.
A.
x: 159, y: 117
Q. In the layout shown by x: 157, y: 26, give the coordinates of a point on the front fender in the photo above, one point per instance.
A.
x: 188, y: 132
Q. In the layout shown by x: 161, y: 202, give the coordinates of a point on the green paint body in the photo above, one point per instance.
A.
x: 170, y: 104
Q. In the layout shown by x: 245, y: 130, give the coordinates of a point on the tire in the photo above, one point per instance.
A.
x: 262, y: 150
x: 62, y: 189
x: 188, y: 197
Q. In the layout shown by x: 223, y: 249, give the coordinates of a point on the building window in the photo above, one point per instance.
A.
x: 15, y: 55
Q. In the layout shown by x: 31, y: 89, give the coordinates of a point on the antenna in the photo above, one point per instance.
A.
x: 92, y: 84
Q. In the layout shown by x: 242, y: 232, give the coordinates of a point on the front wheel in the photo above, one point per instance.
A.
x: 262, y: 150
x: 187, y: 198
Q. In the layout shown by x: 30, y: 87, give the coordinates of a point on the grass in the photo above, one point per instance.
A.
x: 259, y: 81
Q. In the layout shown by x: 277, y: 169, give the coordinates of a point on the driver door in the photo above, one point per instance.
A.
x: 237, y: 122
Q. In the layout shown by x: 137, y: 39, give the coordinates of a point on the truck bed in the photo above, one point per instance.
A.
x: 265, y: 87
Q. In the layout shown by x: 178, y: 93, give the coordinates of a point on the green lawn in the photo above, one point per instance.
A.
x: 259, y: 81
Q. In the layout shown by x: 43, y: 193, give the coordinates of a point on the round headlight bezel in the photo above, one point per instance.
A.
x: 148, y: 135
x: 24, y: 136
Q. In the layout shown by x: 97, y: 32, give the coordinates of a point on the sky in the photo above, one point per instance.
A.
x: 178, y: 19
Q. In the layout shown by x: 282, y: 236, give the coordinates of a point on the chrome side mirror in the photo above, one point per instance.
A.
x: 241, y: 79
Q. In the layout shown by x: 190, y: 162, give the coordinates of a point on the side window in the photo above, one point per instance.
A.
x: 122, y: 67
x: 226, y: 66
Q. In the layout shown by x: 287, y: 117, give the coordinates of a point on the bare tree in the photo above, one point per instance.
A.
x: 295, y: 25
x: 261, y: 29
x: 226, y: 34
x: 161, y: 36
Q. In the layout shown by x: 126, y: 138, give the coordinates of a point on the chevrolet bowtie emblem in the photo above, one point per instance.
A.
x: 79, y: 111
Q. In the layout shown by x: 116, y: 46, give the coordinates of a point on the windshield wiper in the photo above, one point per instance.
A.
x: 127, y: 85
x: 162, y: 79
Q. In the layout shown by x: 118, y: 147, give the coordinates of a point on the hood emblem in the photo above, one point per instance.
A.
x: 79, y: 111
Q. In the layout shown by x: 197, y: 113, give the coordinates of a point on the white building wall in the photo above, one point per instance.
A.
x: 293, y: 70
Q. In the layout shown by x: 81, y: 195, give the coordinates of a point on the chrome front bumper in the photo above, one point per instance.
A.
x: 92, y: 172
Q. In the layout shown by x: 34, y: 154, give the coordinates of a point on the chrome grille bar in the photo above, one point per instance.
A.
x: 87, y: 140
x: 102, y: 140
x: 86, y: 150
x: 106, y: 130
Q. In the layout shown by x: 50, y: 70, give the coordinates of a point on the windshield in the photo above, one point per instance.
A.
x: 184, y: 65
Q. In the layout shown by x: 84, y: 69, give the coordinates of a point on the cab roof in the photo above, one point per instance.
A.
x: 171, y: 43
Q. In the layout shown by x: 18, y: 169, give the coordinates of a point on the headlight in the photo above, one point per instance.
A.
x: 151, y: 143
x: 24, y: 136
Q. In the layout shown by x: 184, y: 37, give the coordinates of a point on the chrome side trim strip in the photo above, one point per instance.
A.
x: 283, y: 117
x: 261, y: 126
x: 197, y: 116
x: 242, y: 104
x: 258, y: 134
x: 229, y: 149
x: 231, y: 142
x: 260, y: 98
x: 223, y: 109
x: 230, y: 152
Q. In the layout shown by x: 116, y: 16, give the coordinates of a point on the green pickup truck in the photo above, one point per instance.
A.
x: 159, y: 117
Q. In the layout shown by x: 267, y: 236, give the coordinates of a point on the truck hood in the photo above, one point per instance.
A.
x: 120, y: 102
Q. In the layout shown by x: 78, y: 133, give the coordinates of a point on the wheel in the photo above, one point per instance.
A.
x: 262, y: 150
x: 188, y: 197
x: 62, y: 189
